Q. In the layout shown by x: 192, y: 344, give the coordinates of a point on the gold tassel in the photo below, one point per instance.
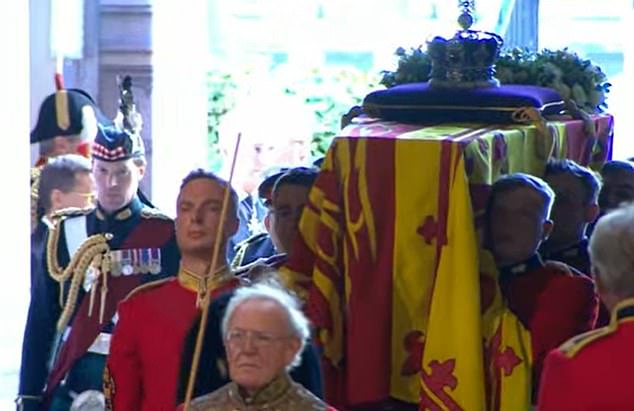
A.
x: 104, y: 293
x: 531, y: 115
x: 91, y: 303
x: 60, y: 296
x: 202, y: 293
x: 93, y: 287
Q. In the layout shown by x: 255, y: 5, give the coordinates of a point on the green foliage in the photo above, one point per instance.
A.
x: 328, y: 93
x: 220, y: 100
x: 414, y: 66
x: 573, y: 77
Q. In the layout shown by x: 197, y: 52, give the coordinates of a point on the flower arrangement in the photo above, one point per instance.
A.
x: 575, y: 78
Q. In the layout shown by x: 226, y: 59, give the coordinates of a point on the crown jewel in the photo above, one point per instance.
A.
x: 467, y: 60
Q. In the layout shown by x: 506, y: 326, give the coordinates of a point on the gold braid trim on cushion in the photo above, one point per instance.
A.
x: 94, y: 251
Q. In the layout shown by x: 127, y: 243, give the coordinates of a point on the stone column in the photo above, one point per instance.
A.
x: 15, y: 206
x: 125, y: 47
x: 43, y: 65
x: 179, y: 96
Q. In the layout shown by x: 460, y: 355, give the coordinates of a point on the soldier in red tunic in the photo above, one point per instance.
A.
x: 144, y: 361
x: 576, y: 206
x: 552, y: 301
x: 594, y: 371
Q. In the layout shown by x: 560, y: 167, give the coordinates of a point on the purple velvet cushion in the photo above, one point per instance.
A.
x: 419, y: 103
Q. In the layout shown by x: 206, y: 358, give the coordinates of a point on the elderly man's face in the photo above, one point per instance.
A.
x: 260, y: 344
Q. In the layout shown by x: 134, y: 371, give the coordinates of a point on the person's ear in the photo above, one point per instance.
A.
x: 56, y: 199
x: 592, y: 212
x: 294, y: 345
x: 267, y: 222
x: 597, y: 279
x: 141, y: 171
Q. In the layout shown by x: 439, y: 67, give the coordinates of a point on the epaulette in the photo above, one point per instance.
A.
x: 71, y: 212
x: 571, y: 347
x: 147, y: 286
x: 243, y: 269
x: 241, y: 248
x: 254, y: 238
x: 272, y: 261
x: 148, y: 212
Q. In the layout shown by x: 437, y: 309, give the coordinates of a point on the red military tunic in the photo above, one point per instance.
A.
x: 144, y: 362
x: 577, y: 256
x: 552, y: 302
x: 593, y: 371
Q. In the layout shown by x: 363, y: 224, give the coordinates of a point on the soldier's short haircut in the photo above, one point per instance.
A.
x: 588, y: 178
x: 612, y: 250
x: 60, y: 174
x: 298, y: 324
x: 617, y: 166
x: 518, y: 181
x: 200, y: 173
x: 301, y: 176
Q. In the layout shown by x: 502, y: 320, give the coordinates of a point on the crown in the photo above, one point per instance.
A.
x: 467, y: 60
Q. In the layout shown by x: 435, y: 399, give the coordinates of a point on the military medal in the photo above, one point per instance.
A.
x: 135, y: 261
x: 155, y: 260
x: 126, y: 262
x: 144, y: 255
x: 115, y: 263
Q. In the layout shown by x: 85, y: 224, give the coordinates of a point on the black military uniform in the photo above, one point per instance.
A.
x: 251, y: 213
x: 71, y: 313
x: 259, y: 245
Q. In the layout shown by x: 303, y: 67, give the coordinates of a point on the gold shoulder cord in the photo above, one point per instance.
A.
x: 91, y: 252
x: 35, y: 187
